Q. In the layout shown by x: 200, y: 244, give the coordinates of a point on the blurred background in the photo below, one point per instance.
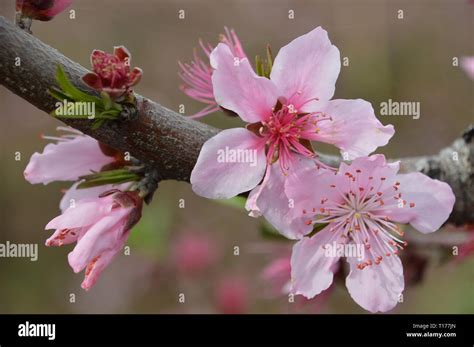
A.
x: 191, y: 250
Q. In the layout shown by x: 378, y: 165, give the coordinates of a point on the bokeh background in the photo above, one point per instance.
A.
x: 190, y: 250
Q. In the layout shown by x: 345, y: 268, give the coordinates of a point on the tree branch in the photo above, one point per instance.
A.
x: 170, y: 142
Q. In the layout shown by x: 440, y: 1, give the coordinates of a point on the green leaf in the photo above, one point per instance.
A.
x: 107, y: 177
x: 269, y: 62
x: 70, y: 89
x: 59, y: 94
x: 107, y: 101
x: 258, y: 66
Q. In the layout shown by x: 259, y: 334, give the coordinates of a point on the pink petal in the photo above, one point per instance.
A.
x: 104, y: 235
x: 276, y: 205
x: 66, y: 161
x: 95, y: 268
x: 85, y: 213
x: 376, y: 287
x: 312, y: 271
x: 122, y: 53
x: 307, y: 68
x: 353, y: 128
x: 215, y: 177
x: 74, y: 195
x: 428, y: 205
x: 238, y: 88
x: 92, y: 80
x: 65, y: 236
x: 135, y: 76
x: 375, y: 169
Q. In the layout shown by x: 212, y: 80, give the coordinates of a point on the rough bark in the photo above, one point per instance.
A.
x: 170, y: 142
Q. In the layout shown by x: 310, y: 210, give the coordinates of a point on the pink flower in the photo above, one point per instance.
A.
x: 284, y: 114
x: 73, y: 155
x: 197, y: 74
x: 100, y: 226
x: 231, y: 296
x: 43, y: 10
x: 359, y: 207
x: 112, y: 72
x: 193, y: 254
x: 467, y: 63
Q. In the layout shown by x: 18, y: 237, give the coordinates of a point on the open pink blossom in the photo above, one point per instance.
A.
x: 197, y: 74
x: 284, y: 114
x: 359, y: 205
x: 100, y: 226
x: 467, y: 63
x: 112, y: 72
x: 43, y: 10
x: 73, y: 155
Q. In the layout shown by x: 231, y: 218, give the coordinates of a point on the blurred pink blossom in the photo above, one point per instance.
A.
x: 193, y: 253
x: 232, y: 295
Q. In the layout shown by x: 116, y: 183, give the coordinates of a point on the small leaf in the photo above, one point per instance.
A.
x: 107, y: 101
x: 70, y: 89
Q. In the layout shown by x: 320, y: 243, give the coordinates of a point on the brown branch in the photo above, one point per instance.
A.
x: 170, y: 142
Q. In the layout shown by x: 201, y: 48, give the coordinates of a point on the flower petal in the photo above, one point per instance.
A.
x: 376, y: 287
x: 237, y: 87
x: 271, y: 200
x: 122, y: 53
x: 85, y: 213
x: 94, y: 269
x: 135, y: 76
x: 428, y: 205
x: 73, y: 195
x: 92, y: 80
x: 353, y: 128
x: 218, y: 175
x: 307, y: 68
x: 66, y: 161
x: 312, y: 269
x: 104, y: 235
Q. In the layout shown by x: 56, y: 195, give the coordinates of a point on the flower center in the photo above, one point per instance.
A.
x: 360, y: 216
x: 287, y: 132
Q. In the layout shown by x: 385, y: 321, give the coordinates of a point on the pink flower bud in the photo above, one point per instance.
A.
x: 43, y: 10
x: 100, y: 226
x: 112, y: 72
